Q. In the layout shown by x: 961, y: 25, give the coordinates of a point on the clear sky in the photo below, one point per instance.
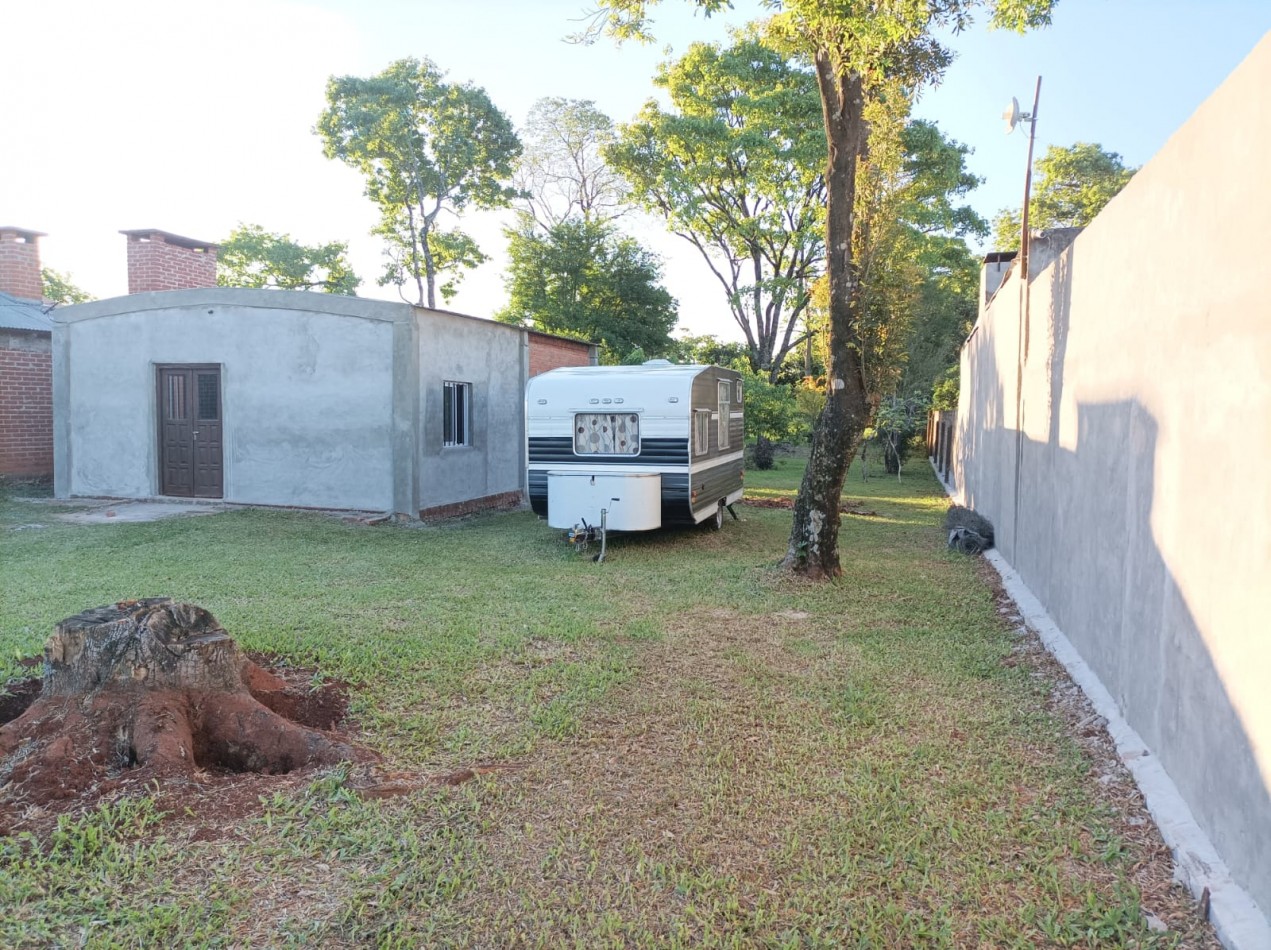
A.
x: 120, y: 114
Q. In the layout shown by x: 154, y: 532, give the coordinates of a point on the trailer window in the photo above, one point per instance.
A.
x: 725, y: 412
x: 606, y: 433
x: 701, y: 431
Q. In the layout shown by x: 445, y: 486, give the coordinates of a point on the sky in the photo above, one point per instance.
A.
x: 192, y: 118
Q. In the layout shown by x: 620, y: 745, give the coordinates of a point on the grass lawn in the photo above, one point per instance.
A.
x: 703, y: 751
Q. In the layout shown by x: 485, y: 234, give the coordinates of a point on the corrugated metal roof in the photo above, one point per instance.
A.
x: 18, y: 314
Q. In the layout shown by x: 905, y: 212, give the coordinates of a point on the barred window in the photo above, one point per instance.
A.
x: 456, y: 413
x: 606, y: 433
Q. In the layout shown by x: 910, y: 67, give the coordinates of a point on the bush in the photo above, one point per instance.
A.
x: 763, y: 453
x: 896, y: 423
x: 944, y: 396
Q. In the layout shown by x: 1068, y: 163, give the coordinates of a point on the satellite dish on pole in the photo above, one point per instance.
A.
x: 1012, y: 115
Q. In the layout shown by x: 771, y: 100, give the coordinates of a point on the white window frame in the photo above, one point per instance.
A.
x: 724, y: 391
x: 701, y: 431
x: 585, y: 415
x: 456, y: 414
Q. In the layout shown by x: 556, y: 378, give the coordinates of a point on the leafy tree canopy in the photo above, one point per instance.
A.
x: 59, y: 288
x: 1070, y: 186
x: 919, y: 278
x: 422, y: 145
x: 579, y: 278
x: 734, y: 167
x: 562, y: 174
x: 707, y: 350
x: 254, y: 257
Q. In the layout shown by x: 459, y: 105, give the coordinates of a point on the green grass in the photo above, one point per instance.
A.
x: 709, y: 752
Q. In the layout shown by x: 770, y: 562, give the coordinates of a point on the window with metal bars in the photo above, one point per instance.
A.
x: 456, y: 410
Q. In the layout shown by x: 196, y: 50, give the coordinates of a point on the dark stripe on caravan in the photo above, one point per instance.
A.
x: 652, y: 452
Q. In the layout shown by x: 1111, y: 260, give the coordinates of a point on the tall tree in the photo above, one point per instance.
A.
x: 579, y: 278
x: 254, y: 257
x: 861, y: 49
x: 423, y: 145
x: 911, y: 225
x: 60, y: 288
x: 562, y: 175
x: 1071, y: 186
x: 735, y: 169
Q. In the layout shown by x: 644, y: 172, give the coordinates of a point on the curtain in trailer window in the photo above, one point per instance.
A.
x: 606, y: 433
x: 701, y: 431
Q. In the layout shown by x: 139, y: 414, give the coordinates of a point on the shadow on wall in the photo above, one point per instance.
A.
x: 1077, y: 525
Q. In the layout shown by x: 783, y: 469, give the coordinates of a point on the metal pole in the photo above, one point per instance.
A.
x: 1028, y: 187
x: 1022, y: 343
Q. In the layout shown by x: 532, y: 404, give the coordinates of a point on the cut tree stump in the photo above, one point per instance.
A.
x: 154, y: 686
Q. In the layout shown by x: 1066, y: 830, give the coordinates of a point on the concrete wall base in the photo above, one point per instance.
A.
x: 1236, y: 918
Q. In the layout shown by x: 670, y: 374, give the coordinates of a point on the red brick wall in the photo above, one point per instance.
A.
x: 549, y: 352
x: 20, y: 264
x: 507, y: 499
x: 154, y: 264
x: 26, y: 405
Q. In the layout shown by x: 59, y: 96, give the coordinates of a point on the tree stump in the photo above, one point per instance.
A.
x: 155, y: 686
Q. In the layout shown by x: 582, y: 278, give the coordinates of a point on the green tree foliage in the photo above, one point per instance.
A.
x: 254, y: 257
x: 734, y: 166
x: 422, y: 145
x: 862, y: 51
x: 771, y: 411
x: 1070, y: 186
x: 562, y: 174
x: 946, y: 312
x: 944, y: 394
x: 452, y: 254
x: 59, y: 288
x: 707, y: 350
x: 579, y: 278
x: 919, y: 277
x: 897, y: 420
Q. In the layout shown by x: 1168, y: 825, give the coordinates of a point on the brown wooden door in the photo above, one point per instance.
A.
x: 190, y: 431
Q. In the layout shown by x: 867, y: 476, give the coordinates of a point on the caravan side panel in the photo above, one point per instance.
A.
x: 716, y: 462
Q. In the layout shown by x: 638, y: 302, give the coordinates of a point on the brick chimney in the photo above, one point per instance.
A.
x: 158, y: 260
x: 20, y: 263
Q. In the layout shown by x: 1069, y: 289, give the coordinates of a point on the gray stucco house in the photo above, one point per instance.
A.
x: 290, y: 398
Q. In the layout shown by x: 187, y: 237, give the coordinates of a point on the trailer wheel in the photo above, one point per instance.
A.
x: 716, y: 521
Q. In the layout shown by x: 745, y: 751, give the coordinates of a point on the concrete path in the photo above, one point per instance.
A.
x: 114, y: 512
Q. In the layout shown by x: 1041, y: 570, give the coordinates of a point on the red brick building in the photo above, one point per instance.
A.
x: 26, y: 363
x: 158, y: 260
x: 552, y: 352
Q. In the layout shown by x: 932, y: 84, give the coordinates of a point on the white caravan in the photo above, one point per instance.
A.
x: 633, y: 448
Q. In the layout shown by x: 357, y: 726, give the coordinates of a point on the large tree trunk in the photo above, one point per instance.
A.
x: 813, y: 547
x: 156, y: 686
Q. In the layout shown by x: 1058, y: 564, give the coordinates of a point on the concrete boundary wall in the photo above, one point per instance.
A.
x: 1116, y: 434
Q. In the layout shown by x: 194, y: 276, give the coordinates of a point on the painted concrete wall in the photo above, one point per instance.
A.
x: 494, y: 358
x: 307, y: 393
x: 1125, y: 464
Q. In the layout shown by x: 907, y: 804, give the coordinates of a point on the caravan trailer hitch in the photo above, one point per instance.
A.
x: 582, y: 534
